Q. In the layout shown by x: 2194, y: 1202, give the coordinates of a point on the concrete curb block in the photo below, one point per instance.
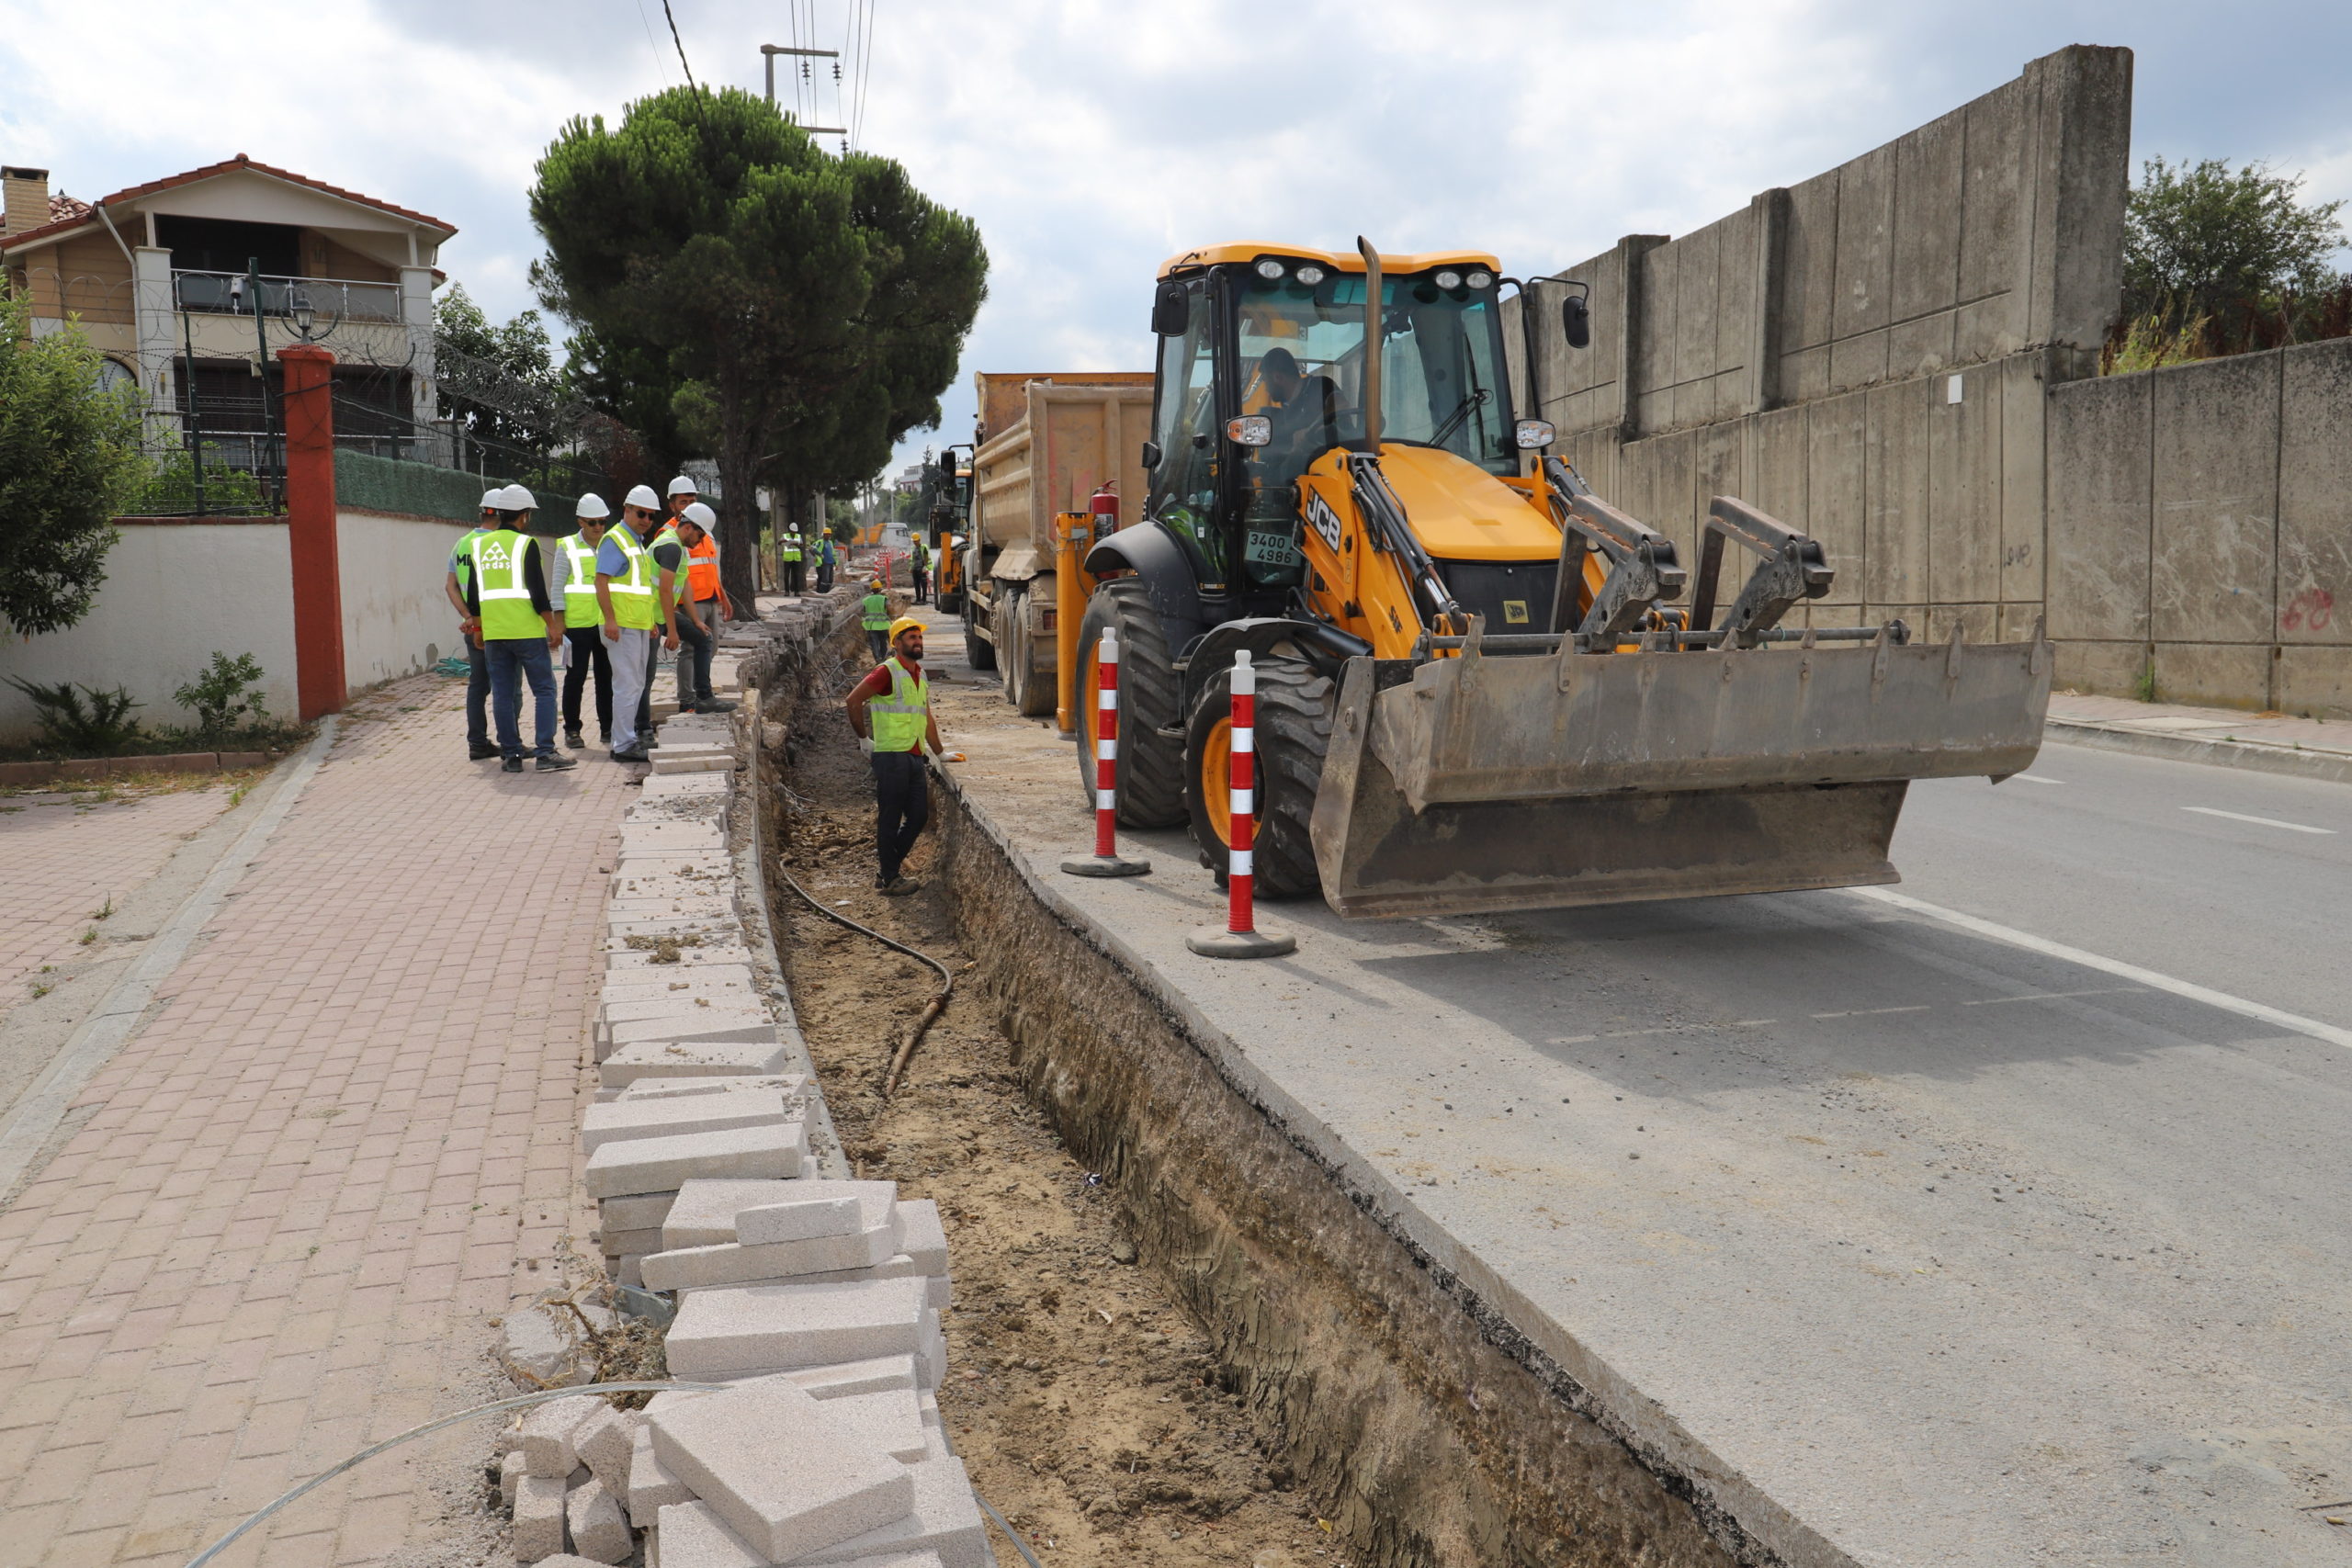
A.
x: 2252, y: 756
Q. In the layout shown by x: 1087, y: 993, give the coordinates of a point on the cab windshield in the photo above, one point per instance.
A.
x: 1442, y: 377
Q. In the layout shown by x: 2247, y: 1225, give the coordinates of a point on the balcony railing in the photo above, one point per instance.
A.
x: 322, y: 299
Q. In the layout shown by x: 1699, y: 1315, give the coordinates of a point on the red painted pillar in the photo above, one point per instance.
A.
x: 308, y: 412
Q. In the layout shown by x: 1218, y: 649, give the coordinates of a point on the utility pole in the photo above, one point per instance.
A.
x: 771, y: 51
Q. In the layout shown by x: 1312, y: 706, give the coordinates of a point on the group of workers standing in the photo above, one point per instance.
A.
x: 614, y: 594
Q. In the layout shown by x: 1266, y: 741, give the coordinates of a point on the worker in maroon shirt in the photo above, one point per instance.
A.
x: 890, y: 710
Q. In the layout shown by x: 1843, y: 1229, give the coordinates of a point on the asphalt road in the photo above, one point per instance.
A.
x: 2003, y: 1226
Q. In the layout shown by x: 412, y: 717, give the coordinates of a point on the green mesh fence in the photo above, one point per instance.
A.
x: 387, y: 484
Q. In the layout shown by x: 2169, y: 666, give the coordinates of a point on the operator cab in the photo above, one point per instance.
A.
x: 1269, y: 344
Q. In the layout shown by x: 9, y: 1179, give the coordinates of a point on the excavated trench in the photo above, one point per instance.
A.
x: 1424, y: 1428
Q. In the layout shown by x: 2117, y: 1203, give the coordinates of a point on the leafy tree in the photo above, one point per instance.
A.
x: 69, y: 462
x: 2204, y: 241
x: 520, y: 348
x: 793, y: 311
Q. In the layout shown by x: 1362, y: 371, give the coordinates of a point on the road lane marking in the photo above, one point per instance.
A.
x: 1871, y: 1012
x: 2056, y: 996
x: 2261, y: 821
x: 2037, y: 778
x: 2044, y: 945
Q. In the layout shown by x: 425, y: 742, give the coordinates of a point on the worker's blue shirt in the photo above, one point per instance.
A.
x: 611, y: 559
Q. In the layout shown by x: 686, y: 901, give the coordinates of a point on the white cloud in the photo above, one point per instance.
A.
x: 1090, y: 140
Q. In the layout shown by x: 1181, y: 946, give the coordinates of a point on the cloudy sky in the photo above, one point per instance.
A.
x: 1092, y: 140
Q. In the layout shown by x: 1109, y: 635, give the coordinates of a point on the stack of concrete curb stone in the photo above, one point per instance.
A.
x: 810, y: 1306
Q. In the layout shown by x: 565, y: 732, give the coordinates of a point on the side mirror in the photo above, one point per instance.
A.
x: 1576, y: 321
x: 1151, y: 453
x: 947, y: 466
x: 1171, y: 310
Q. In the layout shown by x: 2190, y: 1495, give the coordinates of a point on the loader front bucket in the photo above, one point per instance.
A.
x: 1558, y: 781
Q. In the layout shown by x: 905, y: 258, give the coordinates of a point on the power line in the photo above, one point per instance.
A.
x: 651, y: 42
x: 681, y: 43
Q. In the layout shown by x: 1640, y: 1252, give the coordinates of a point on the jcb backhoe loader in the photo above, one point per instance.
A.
x: 1476, y: 689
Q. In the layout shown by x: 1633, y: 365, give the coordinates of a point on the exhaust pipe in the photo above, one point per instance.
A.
x: 1375, y: 320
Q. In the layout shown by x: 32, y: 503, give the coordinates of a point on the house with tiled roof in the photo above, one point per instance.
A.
x: 189, y: 284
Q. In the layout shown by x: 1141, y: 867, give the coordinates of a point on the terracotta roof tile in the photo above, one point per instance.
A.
x: 82, y: 215
x: 63, y: 209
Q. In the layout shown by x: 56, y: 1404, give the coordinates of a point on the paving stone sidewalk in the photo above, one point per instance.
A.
x: 2180, y: 718
x: 66, y: 855
x: 302, y: 1192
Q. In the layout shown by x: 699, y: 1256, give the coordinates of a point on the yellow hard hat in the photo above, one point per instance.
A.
x: 904, y: 624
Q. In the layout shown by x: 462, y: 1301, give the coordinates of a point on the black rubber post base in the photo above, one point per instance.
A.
x: 1216, y: 941
x: 1106, y: 865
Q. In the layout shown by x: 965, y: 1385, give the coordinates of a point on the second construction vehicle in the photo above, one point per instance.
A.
x: 1480, y: 686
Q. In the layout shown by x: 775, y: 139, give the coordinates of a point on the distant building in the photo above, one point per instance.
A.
x: 157, y: 277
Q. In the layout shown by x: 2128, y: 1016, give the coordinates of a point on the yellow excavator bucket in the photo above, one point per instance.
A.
x: 1492, y: 783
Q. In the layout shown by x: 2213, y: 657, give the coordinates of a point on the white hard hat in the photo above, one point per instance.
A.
x: 684, y: 486
x: 643, y: 496
x: 592, y: 506
x: 697, y: 511
x: 489, y: 502
x: 518, y: 499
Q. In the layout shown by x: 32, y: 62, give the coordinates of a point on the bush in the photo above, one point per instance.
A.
x: 69, y: 462
x: 171, y: 481
x: 81, y: 721
x: 224, y: 696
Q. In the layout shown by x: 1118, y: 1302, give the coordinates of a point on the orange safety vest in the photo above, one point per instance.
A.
x: 702, y: 570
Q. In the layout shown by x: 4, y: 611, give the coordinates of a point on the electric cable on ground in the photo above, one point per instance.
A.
x: 938, y: 1003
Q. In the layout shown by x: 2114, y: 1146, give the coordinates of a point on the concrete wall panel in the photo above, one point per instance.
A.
x: 2018, y: 621
x: 1858, y: 362
x: 1698, y: 304
x: 1865, y: 242
x: 1989, y: 212
x: 1965, y: 490
x: 2315, y: 495
x: 1928, y: 217
x: 2216, y: 511
x: 1836, y: 447
x: 1735, y: 290
x: 1896, y: 500
x: 2315, y: 681
x: 2219, y: 674
x: 2024, y: 523
x: 1809, y: 265
x: 2114, y: 668
x: 1775, y: 468
x: 1921, y: 347
x: 2099, y: 467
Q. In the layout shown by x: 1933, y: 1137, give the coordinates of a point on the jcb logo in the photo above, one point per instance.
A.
x: 1326, y: 522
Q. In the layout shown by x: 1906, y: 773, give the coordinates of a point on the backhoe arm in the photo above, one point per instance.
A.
x: 1642, y: 570
x: 1795, y: 567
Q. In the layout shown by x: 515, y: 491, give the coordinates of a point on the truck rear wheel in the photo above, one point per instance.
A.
x: 979, y: 651
x: 1294, y: 733
x: 1151, y: 765
x: 1030, y: 694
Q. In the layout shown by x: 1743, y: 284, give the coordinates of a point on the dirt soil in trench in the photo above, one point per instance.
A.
x: 1080, y: 1396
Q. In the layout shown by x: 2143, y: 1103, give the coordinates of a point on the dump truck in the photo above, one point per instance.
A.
x: 1479, y: 684
x: 1045, y: 444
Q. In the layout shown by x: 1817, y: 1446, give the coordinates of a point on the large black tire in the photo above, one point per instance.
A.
x: 1151, y: 765
x: 1032, y: 696
x: 1294, y: 734
x: 979, y: 651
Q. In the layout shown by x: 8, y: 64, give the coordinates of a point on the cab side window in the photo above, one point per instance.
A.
x: 1184, y: 486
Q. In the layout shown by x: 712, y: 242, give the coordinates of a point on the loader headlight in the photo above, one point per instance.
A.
x: 1449, y: 279
x: 1271, y: 270
x: 1250, y: 429
x: 1531, y: 434
x: 1480, y: 279
x: 1310, y: 274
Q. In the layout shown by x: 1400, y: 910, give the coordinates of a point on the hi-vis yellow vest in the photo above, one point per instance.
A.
x: 633, y: 607
x: 899, y: 724
x: 506, y: 613
x: 580, y: 593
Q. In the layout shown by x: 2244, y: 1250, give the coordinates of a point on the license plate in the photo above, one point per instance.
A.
x: 1271, y: 550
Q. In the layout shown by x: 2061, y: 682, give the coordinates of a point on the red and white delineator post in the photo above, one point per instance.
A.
x: 1240, y: 937
x: 1106, y: 861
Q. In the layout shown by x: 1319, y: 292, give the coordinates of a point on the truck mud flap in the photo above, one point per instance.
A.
x: 1532, y: 783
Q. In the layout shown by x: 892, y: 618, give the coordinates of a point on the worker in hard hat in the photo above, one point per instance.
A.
x: 789, y: 548
x: 478, y: 746
x: 582, y: 619
x: 890, y: 711
x: 874, y: 617
x: 919, y: 567
x: 700, y: 607
x: 629, y: 613
x: 825, y: 561
x: 519, y: 625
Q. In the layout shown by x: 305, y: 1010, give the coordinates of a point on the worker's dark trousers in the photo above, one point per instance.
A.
x: 796, y: 577
x: 920, y: 579
x: 902, y: 804
x: 587, y: 654
x: 878, y: 643
x: 477, y: 696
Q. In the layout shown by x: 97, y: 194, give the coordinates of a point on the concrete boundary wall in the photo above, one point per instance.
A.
x: 1993, y: 229
x: 2200, y: 531
x: 178, y: 589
